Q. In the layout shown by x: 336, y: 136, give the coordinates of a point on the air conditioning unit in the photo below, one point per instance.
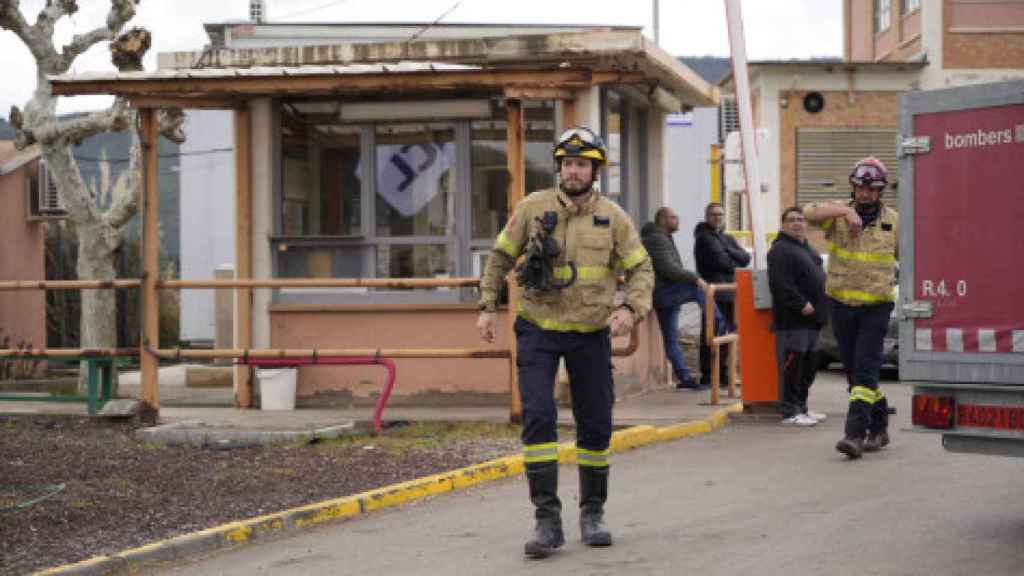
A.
x: 46, y: 201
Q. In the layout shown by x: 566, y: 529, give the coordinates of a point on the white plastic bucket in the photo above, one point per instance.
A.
x: 277, y: 388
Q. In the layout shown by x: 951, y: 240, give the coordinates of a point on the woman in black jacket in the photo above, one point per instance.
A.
x: 797, y: 282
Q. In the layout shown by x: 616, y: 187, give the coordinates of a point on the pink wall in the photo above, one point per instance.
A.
x: 426, y: 380
x: 22, y: 257
x: 860, y: 37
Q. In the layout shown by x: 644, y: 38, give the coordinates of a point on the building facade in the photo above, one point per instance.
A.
x: 396, y: 183
x: 821, y: 116
x: 23, y: 238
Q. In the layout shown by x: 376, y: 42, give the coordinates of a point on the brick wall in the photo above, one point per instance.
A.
x: 984, y: 50
x: 842, y: 110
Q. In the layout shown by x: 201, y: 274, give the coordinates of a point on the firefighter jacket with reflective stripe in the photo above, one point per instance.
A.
x: 862, y: 270
x: 598, y: 237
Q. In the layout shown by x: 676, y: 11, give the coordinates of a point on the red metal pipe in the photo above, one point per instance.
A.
x: 388, y: 363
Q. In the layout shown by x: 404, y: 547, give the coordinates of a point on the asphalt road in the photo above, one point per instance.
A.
x: 754, y: 498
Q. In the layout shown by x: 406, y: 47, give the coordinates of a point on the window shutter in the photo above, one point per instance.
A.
x: 825, y: 156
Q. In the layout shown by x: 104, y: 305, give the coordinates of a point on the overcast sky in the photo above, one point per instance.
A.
x: 775, y: 29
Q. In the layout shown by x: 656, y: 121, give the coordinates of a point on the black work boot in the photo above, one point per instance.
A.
x: 593, y: 493
x: 876, y: 442
x: 852, y: 447
x: 547, y: 534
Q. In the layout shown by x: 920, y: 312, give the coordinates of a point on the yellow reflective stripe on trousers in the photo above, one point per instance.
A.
x: 547, y: 452
x: 583, y: 272
x: 861, y: 296
x: 633, y: 258
x: 559, y: 326
x: 506, y: 245
x: 844, y: 254
x: 592, y: 458
x: 864, y: 394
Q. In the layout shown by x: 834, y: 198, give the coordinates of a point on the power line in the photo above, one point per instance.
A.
x: 174, y: 155
x: 432, y: 24
x: 309, y: 10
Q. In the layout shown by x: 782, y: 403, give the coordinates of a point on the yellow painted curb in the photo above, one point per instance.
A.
x: 240, y: 532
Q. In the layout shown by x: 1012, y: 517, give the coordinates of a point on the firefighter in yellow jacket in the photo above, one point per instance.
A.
x: 863, y: 237
x: 573, y: 242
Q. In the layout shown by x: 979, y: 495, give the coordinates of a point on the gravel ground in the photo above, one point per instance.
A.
x: 119, y: 493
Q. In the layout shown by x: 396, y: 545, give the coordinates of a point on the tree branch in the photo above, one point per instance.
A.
x: 42, y: 32
x: 121, y: 11
x: 74, y: 131
x: 172, y: 122
x: 12, y: 19
x: 127, y: 189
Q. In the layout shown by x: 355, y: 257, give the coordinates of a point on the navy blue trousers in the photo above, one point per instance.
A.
x: 860, y: 333
x: 588, y: 359
x: 668, y: 299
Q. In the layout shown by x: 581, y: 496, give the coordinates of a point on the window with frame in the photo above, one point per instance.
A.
x: 402, y: 199
x: 883, y: 12
x: 414, y: 200
x: 909, y: 6
x: 615, y: 124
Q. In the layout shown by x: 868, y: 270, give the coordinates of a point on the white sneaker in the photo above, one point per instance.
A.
x: 819, y: 416
x: 800, y: 420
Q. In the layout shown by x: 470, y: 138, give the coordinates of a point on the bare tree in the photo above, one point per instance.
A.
x: 99, y: 231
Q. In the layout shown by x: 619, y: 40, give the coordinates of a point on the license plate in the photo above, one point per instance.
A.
x: 995, y: 417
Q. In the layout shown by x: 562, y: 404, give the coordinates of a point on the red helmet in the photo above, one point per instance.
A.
x: 870, y: 172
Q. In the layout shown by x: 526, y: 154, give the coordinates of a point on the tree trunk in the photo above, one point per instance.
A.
x: 96, y: 261
x: 97, y: 244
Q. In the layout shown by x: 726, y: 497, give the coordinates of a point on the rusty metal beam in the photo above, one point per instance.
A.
x: 69, y: 284
x: 322, y: 283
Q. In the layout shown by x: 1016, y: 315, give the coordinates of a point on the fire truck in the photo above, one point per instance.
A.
x: 961, y: 308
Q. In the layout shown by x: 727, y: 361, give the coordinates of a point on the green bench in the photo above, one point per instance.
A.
x: 100, y: 381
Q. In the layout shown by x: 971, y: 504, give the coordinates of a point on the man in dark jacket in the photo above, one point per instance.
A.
x: 718, y: 255
x: 797, y: 282
x: 674, y: 286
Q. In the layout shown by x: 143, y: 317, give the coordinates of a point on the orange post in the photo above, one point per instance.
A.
x: 758, y: 367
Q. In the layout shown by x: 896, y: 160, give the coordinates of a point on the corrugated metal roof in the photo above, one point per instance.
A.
x: 265, y: 72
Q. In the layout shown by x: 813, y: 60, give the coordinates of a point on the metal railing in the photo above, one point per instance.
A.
x: 246, y: 356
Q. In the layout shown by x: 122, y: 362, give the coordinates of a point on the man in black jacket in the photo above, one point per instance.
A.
x: 797, y: 282
x: 718, y: 255
x: 674, y: 286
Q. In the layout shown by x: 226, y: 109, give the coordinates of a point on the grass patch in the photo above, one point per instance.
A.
x: 425, y: 435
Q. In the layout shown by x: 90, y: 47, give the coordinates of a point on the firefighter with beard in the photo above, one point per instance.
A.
x: 863, y: 239
x: 574, y: 243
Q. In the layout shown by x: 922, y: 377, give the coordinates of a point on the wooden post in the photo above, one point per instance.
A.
x: 243, y: 253
x: 516, y: 192
x: 568, y: 114
x: 150, y: 340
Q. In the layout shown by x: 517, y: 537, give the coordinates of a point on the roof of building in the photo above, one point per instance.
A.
x: 711, y: 68
x: 11, y: 158
x: 551, y: 61
x: 360, y: 32
x: 263, y: 72
x: 827, y: 65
